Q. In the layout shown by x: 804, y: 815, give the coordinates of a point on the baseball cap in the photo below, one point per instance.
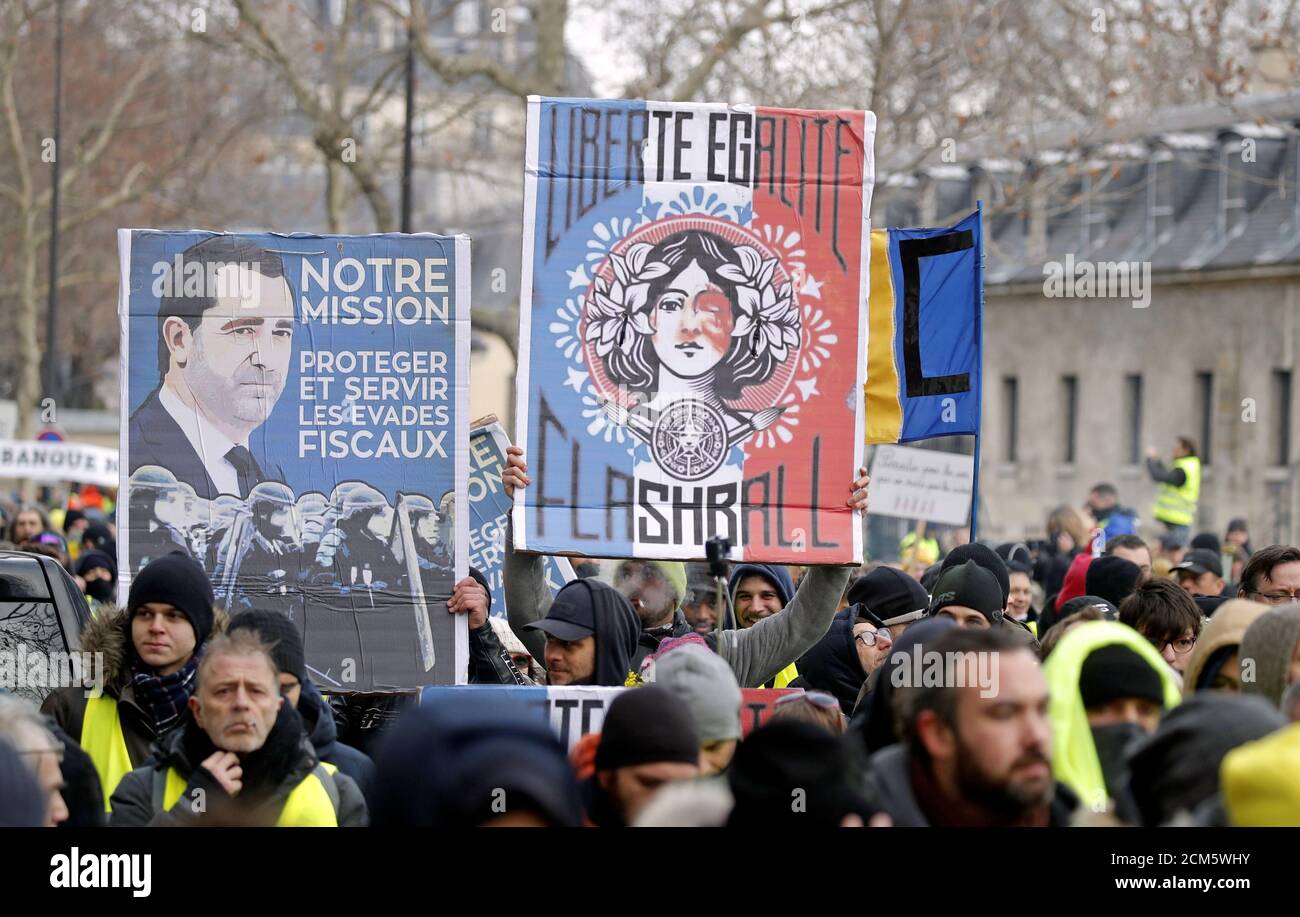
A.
x: 571, y: 616
x: 1199, y: 561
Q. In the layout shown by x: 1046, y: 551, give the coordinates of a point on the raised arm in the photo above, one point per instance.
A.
x: 523, y: 575
x: 757, y: 653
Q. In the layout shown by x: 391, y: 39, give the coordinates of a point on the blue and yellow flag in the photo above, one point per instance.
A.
x: 925, y: 339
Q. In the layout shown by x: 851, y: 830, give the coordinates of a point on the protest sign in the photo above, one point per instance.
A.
x: 692, y: 329
x: 297, y: 422
x: 489, y: 509
x: 912, y: 483
x: 52, y: 462
x: 576, y: 711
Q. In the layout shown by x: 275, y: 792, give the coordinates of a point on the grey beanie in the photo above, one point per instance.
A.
x: 1270, y: 642
x: 704, y: 680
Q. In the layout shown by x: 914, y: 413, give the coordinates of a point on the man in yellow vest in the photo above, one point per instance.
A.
x: 241, y: 758
x: 1180, y: 488
x: 148, y: 651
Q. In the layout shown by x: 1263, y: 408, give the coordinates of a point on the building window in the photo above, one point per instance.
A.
x: 1205, y: 411
x: 1070, y: 413
x: 1093, y: 216
x: 1133, y: 414
x: 1160, y: 196
x: 1232, y: 192
x: 1282, y: 417
x: 1011, y: 416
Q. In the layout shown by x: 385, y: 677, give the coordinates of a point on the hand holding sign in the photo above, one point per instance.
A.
x: 469, y: 597
x: 516, y: 473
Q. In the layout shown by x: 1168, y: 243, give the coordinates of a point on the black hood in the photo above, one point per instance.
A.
x: 878, y: 731
x: 832, y: 665
x: 317, y: 720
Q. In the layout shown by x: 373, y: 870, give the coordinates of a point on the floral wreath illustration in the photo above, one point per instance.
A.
x: 683, y: 326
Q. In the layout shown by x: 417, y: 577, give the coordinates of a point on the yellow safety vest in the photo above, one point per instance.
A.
x: 783, y: 678
x: 102, y: 739
x: 313, y: 803
x: 1177, y: 505
x: 926, y: 551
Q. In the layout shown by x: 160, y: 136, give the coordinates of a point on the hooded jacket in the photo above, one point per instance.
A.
x: 1074, y: 754
x: 1224, y: 630
x: 755, y: 654
x: 1176, y: 770
x: 110, y: 633
x: 271, y: 775
x: 833, y: 665
x: 318, y: 721
x: 1270, y: 641
x: 1260, y: 789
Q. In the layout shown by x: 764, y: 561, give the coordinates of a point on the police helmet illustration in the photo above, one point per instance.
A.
x: 274, y: 510
x: 224, y: 509
x: 152, y: 485
x: 424, y: 516
x: 361, y: 505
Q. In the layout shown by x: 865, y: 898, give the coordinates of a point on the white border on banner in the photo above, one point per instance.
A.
x: 864, y: 311
x: 463, y: 318
x: 517, y: 523
x: 124, y: 415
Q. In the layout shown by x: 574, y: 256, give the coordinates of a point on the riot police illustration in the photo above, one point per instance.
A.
x: 157, y: 522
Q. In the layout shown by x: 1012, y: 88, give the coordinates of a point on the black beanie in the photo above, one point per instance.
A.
x: 783, y: 757
x: 887, y: 593
x: 987, y: 558
x: 970, y: 586
x: 1112, y: 578
x: 1114, y: 671
x: 280, y: 635
x: 645, y: 726
x: 179, y: 581
x: 89, y: 560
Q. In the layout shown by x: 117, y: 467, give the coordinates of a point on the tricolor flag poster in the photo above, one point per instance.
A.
x: 692, y: 329
x: 924, y: 360
x: 489, y: 510
x: 296, y: 420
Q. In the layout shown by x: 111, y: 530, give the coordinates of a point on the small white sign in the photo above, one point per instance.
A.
x: 53, y: 462
x: 910, y: 483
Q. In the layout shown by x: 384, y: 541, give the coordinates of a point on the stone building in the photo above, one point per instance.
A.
x: 1204, y: 202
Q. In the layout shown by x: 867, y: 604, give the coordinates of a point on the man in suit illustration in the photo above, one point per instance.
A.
x: 225, y: 342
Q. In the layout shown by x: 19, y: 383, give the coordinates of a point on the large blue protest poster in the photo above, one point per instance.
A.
x: 296, y: 419
x: 693, y: 329
x: 489, y: 512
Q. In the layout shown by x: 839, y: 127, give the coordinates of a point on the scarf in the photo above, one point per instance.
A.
x: 163, y: 697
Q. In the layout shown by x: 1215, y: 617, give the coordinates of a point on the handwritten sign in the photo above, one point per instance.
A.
x: 913, y: 483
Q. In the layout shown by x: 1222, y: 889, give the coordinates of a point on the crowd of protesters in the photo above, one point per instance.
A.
x: 1094, y: 677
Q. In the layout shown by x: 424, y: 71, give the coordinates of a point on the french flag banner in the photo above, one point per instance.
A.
x: 693, y: 319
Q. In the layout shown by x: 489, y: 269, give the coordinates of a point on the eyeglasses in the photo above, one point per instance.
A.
x: 872, y: 637
x: 1276, y: 598
x: 816, y: 698
x: 1182, y: 646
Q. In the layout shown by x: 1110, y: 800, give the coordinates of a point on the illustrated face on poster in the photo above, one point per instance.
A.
x: 692, y: 330
x: 293, y: 427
